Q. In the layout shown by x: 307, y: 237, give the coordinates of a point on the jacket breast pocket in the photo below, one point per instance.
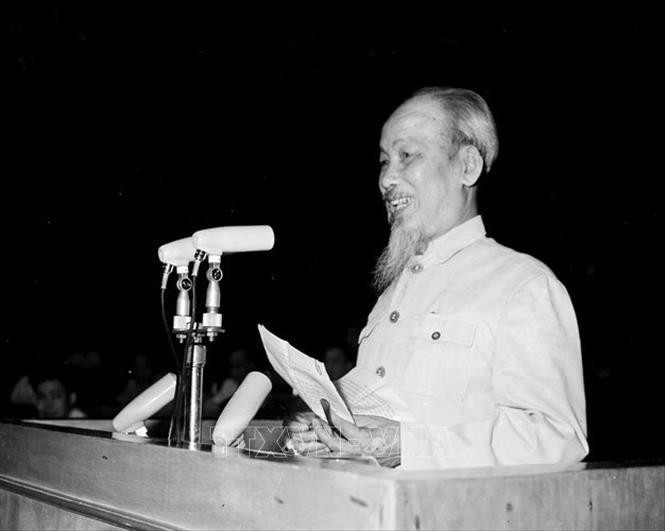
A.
x: 440, y: 362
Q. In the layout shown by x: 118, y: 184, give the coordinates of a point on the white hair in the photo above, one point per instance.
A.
x: 471, y: 121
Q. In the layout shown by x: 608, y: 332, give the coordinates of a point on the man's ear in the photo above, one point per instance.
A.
x: 472, y: 165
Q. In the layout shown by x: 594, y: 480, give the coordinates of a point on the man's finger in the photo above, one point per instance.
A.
x: 348, y: 429
x: 306, y: 448
x: 326, y: 437
x: 332, y: 441
x: 304, y: 417
x: 304, y: 436
x: 295, y: 426
x: 316, y: 450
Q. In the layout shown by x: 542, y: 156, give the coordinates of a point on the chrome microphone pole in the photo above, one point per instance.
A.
x: 195, y: 358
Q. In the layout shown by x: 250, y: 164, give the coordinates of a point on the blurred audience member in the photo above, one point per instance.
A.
x: 94, y: 382
x: 140, y: 376
x: 240, y: 365
x: 23, y: 395
x: 54, y: 398
x: 22, y: 398
x: 337, y: 362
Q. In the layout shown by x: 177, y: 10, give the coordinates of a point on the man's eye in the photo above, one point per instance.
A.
x: 383, y: 162
x: 405, y: 155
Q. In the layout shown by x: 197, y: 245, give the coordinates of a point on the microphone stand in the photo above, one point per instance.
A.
x: 194, y: 364
x: 195, y: 357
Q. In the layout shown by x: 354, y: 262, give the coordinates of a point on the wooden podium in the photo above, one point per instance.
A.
x: 79, y: 475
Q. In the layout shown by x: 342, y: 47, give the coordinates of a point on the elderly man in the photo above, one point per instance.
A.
x: 480, y: 341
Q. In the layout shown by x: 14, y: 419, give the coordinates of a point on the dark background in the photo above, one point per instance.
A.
x: 127, y: 128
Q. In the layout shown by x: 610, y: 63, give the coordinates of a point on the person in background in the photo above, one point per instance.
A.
x: 96, y: 381
x: 240, y: 365
x: 22, y: 397
x: 337, y: 362
x: 55, y: 398
x: 140, y: 376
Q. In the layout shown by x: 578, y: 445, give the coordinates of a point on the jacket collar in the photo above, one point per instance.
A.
x: 445, y: 246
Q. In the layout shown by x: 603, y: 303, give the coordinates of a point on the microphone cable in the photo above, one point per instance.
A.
x: 178, y: 364
x: 169, y: 337
x: 177, y: 416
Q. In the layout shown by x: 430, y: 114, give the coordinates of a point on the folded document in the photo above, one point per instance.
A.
x: 360, y: 391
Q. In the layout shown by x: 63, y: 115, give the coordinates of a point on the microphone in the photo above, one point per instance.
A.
x: 177, y: 253
x: 145, y: 405
x: 212, y: 318
x: 238, y: 239
x: 241, y: 408
x: 220, y: 240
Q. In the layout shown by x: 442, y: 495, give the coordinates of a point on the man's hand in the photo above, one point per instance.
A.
x: 302, y: 438
x: 371, y: 435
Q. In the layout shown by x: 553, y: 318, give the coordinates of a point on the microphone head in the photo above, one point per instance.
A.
x: 238, y: 239
x: 146, y: 404
x: 177, y: 253
x: 241, y: 408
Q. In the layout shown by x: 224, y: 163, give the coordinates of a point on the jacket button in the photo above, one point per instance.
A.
x: 416, y: 268
x: 394, y: 316
x: 381, y: 371
x: 436, y: 335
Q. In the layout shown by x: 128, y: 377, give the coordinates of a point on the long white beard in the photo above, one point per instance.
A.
x: 402, y: 246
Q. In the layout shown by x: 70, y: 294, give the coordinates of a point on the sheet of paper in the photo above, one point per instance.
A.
x: 366, y: 393
x: 277, y: 351
x: 306, y: 375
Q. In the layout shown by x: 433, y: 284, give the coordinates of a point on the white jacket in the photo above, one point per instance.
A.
x: 482, y: 344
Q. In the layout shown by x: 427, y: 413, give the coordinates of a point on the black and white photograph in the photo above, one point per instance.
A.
x: 297, y: 268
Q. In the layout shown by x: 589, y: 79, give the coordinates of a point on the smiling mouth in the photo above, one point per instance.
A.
x: 397, y: 204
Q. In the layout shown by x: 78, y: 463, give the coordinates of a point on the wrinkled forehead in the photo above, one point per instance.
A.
x: 421, y: 117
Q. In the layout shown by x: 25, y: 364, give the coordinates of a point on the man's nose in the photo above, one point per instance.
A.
x: 388, y: 178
